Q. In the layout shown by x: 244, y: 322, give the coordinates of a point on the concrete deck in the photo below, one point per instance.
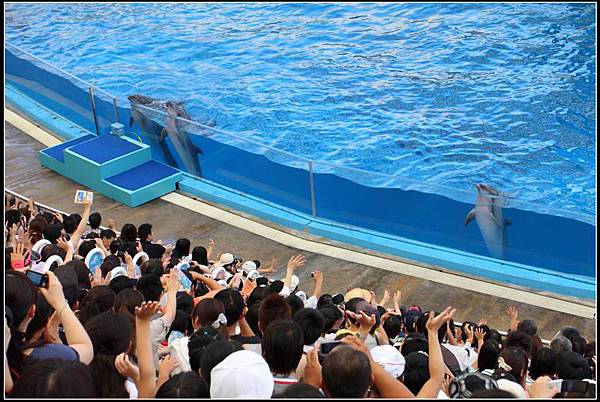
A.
x: 24, y: 175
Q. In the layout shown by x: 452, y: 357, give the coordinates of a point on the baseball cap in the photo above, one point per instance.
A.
x: 466, y: 384
x: 225, y: 259
x: 390, y: 358
x: 248, y: 266
x: 243, y: 374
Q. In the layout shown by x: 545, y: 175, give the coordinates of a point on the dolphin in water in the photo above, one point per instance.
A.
x: 187, y: 152
x: 488, y: 214
x: 149, y: 126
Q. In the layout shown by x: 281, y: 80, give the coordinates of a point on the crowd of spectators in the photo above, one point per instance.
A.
x: 158, y: 320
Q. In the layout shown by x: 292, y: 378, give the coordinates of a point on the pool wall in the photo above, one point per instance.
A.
x: 543, y: 251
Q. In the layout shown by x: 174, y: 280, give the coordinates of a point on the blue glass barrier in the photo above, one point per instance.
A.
x: 53, y: 88
x: 535, y: 239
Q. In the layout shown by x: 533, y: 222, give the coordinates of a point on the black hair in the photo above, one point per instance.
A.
x: 200, y: 255
x: 152, y: 266
x: 198, y: 343
x: 107, y: 234
x: 128, y: 233
x: 150, y: 286
x: 95, y: 220
x: 86, y: 247
x: 127, y: 300
x: 324, y: 300
x: 111, y: 334
x: 272, y: 308
x: 543, y: 362
x: 252, y: 318
x: 182, y: 248
x: 300, y: 390
x: 416, y: 371
x: 181, y: 323
x: 56, y: 378
x: 492, y: 394
x: 414, y: 342
x: 50, y: 250
x: 120, y: 283
x: 495, y: 335
x: 144, y: 231
x: 282, y: 346
x: 43, y: 311
x: 234, y: 304
x: 392, y: 326
x: 517, y: 359
x: 98, y: 300
x: 331, y: 314
x: 115, y: 246
x: 184, y: 385
x: 295, y: 303
x: 206, y: 312
x: 185, y: 303
x: 521, y: 340
x: 20, y: 295
x: 572, y: 366
x: 346, y: 373
x: 215, y: 353
x: 578, y: 343
x: 257, y: 294
x: 488, y: 355
x: 421, y: 324
x: 312, y: 323
x: 69, y: 224
x: 528, y: 326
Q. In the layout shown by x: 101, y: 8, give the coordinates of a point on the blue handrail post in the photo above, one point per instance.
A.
x: 312, y: 189
x: 94, y: 111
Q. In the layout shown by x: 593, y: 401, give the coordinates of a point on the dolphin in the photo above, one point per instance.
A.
x: 187, y: 152
x: 488, y: 214
x: 149, y: 126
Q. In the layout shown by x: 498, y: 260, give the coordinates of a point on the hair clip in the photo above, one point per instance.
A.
x: 221, y: 320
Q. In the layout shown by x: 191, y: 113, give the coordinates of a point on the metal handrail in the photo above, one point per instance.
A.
x: 48, y: 208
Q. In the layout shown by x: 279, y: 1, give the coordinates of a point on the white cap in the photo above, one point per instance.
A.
x: 219, y: 273
x: 242, y: 375
x: 390, y: 358
x: 253, y: 274
x: 118, y: 271
x: 248, y: 266
x: 225, y: 259
x: 301, y: 295
x: 295, y: 281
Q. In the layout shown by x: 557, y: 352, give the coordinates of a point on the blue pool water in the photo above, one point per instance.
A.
x: 450, y: 94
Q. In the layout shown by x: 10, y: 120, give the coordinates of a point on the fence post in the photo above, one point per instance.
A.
x: 312, y: 189
x: 116, y: 110
x: 94, y: 110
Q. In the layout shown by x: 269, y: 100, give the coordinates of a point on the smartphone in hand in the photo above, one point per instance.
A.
x: 38, y: 279
x: 81, y: 196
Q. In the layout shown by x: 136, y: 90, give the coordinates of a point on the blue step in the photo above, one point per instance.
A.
x: 143, y: 183
x: 105, y: 156
x: 53, y: 157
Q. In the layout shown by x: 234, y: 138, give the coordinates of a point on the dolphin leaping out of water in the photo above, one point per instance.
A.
x: 488, y: 214
x: 185, y: 149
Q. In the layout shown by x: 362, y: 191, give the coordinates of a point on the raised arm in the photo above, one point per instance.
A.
x: 293, y: 263
x: 171, y: 309
x: 209, y: 282
x: 143, y: 335
x: 432, y: 387
x: 77, y: 337
x: 87, y: 207
x: 318, y: 284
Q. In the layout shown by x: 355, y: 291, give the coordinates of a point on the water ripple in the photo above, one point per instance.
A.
x: 449, y: 94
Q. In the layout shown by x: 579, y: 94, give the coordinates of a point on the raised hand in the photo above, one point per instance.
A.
x: 166, y: 366
x: 312, y: 371
x: 482, y: 321
x: 296, y: 262
x: 54, y: 294
x: 542, y: 388
x: 60, y: 242
x: 111, y: 224
x: 146, y: 310
x: 435, y: 322
x: 365, y: 322
x: 126, y: 368
x: 385, y: 298
x: 97, y: 278
x: 479, y: 334
x: 17, y: 253
x: 512, y: 312
x: 469, y: 333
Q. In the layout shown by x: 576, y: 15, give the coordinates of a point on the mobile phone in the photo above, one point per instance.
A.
x: 81, y: 196
x: 327, y: 347
x: 39, y: 280
x: 312, y: 274
x: 558, y: 383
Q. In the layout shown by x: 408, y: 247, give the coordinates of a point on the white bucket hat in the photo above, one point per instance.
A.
x: 390, y: 358
x: 225, y: 259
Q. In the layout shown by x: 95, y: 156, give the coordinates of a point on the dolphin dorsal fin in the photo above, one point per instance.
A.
x: 470, y: 216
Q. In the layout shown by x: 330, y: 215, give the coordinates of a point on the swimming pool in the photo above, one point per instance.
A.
x: 446, y: 94
x: 545, y: 246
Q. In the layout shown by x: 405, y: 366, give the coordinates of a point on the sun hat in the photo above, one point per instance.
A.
x: 466, y: 384
x: 225, y: 259
x: 390, y: 358
x: 243, y: 374
x: 357, y: 292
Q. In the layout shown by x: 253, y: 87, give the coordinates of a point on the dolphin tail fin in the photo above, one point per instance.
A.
x: 507, y: 222
x: 470, y: 216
